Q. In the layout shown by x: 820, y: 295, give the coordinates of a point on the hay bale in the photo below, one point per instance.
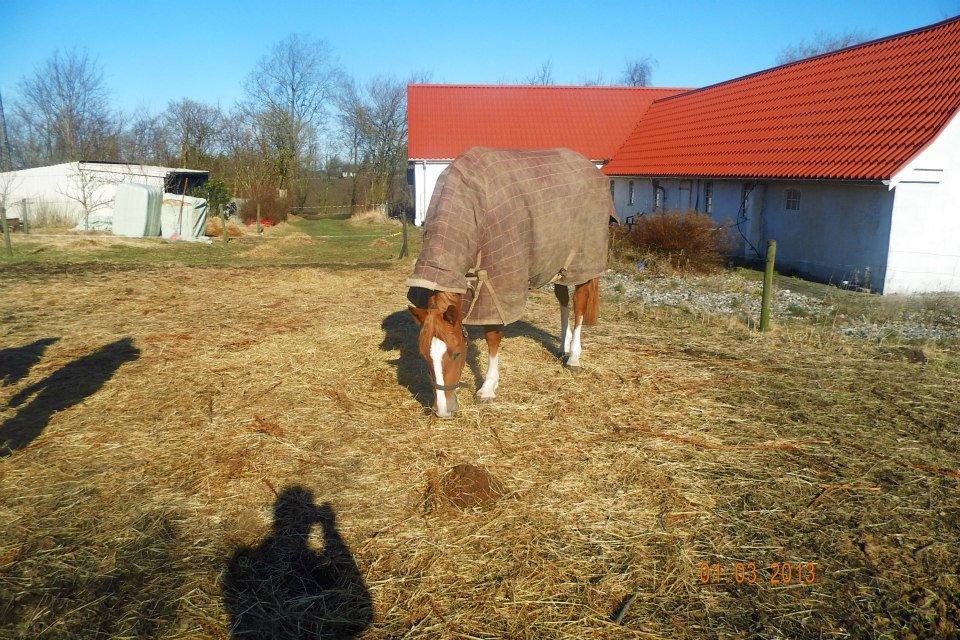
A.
x: 464, y: 486
x: 214, y: 228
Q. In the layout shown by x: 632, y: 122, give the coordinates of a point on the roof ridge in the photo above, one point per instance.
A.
x: 541, y: 86
x: 859, y: 45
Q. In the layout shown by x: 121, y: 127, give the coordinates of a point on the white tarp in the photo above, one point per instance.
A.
x: 183, y: 217
x: 136, y: 211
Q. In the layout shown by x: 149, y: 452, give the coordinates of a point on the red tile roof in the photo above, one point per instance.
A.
x: 446, y: 120
x: 859, y: 113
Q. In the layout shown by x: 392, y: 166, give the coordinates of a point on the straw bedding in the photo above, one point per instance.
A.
x: 519, y: 219
x: 683, y: 440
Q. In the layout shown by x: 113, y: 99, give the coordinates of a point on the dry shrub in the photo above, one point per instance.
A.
x: 679, y: 240
x: 272, y: 208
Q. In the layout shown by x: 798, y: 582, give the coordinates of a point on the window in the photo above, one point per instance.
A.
x: 686, y: 187
x: 791, y: 200
x: 630, y: 192
x: 708, y: 197
x: 612, y: 190
x: 658, y: 195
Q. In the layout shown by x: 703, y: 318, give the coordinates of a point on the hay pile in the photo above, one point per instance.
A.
x: 375, y: 215
x: 156, y: 502
x: 214, y: 228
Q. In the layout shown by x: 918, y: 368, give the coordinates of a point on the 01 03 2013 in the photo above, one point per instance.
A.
x: 753, y: 572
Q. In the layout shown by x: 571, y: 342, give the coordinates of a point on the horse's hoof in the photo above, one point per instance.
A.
x: 486, y: 399
x: 572, y: 368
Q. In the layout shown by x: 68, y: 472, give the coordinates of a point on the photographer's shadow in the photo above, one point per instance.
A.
x: 284, y: 589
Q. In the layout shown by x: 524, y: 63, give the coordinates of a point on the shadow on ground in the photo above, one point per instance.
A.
x: 61, y: 390
x: 284, y: 589
x: 401, y: 333
x: 16, y: 362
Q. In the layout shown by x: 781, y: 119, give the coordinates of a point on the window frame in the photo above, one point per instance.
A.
x: 631, y: 193
x: 792, y: 196
x: 659, y: 196
x: 708, y: 196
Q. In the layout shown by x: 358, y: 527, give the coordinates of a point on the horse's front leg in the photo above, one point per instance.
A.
x: 493, y: 334
x: 566, y: 336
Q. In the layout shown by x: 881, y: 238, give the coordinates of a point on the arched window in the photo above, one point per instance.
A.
x: 791, y: 200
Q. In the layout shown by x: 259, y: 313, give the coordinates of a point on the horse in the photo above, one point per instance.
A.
x: 500, y: 223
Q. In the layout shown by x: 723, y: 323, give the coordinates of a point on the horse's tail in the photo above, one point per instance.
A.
x: 591, y: 309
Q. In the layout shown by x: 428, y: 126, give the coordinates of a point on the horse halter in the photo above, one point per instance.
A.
x: 451, y: 387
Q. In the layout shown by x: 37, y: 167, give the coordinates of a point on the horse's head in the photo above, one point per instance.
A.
x: 443, y: 344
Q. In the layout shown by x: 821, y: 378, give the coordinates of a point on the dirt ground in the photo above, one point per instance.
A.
x: 213, y: 452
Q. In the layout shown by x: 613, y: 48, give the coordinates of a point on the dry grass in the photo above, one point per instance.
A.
x: 375, y: 215
x: 138, y: 509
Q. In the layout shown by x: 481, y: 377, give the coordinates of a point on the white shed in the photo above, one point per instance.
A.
x: 71, y: 190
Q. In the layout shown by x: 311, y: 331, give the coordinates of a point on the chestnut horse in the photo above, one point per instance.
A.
x: 500, y: 223
x: 443, y: 340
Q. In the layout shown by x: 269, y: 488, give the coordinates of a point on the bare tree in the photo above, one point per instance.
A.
x: 638, y: 72
x: 543, y: 75
x: 597, y: 80
x: 63, y: 112
x: 145, y: 139
x: 194, y: 129
x: 286, y: 97
x: 89, y: 190
x: 373, y: 125
x: 821, y: 42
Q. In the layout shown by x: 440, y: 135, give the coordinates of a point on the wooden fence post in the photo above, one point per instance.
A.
x: 259, y: 226
x: 24, y: 216
x: 404, y: 250
x: 6, y: 230
x: 767, y: 285
x: 223, y: 221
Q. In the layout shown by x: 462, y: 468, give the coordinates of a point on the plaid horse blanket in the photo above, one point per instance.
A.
x: 502, y: 222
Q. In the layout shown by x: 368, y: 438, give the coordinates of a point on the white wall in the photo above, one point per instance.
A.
x: 425, y: 175
x: 924, y: 252
x: 841, y: 232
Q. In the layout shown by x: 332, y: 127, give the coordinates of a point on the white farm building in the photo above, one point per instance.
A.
x: 71, y: 190
x: 850, y: 160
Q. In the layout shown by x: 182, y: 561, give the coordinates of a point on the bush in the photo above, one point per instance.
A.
x: 679, y: 240
x: 273, y: 209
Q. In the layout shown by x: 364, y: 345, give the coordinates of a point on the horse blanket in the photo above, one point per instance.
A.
x: 501, y: 222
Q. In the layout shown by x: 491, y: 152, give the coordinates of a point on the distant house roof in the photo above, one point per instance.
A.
x: 860, y: 113
x: 446, y: 120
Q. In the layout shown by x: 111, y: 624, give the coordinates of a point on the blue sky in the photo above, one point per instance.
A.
x: 153, y: 52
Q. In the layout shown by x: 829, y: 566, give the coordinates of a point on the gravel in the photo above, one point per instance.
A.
x: 731, y: 294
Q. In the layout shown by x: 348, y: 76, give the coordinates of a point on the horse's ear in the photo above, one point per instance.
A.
x: 452, y: 314
x: 418, y: 314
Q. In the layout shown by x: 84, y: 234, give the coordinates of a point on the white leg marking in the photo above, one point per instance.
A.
x: 575, y: 349
x: 565, y: 333
x: 437, y: 349
x: 489, y: 389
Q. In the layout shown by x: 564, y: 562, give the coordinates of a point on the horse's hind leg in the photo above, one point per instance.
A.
x: 585, y: 304
x: 563, y: 297
x: 493, y: 334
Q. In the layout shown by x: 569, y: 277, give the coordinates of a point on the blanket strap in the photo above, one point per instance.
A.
x: 480, y: 277
x: 563, y: 270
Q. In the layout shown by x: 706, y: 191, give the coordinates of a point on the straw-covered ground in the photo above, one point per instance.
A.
x: 204, y: 452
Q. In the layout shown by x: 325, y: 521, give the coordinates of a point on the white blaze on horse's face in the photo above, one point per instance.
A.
x: 443, y: 346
